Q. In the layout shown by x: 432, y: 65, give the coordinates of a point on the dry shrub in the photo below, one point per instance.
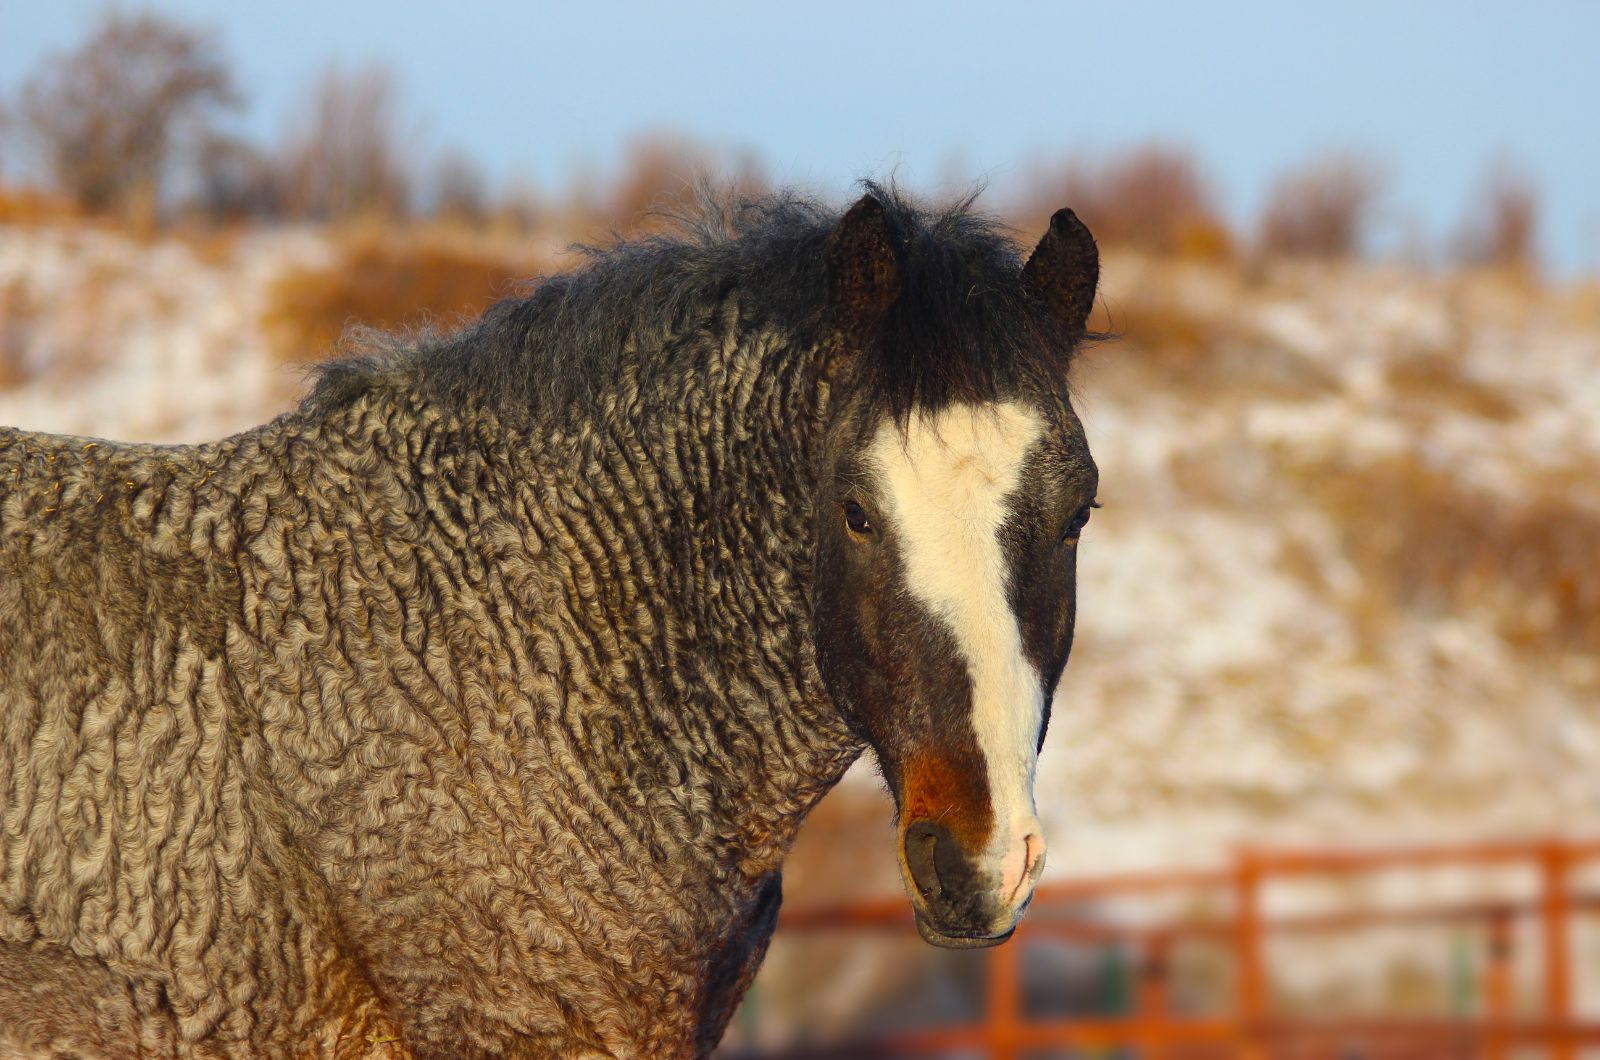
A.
x: 1434, y: 380
x: 16, y: 322
x: 458, y: 189
x: 1202, y: 353
x: 520, y: 210
x: 1502, y: 223
x: 1577, y: 305
x: 1153, y: 198
x: 31, y: 206
x: 388, y: 285
x: 1435, y: 545
x: 216, y: 246
x: 346, y: 155
x: 235, y: 181
x: 1323, y: 209
x: 1159, y: 325
x: 663, y: 174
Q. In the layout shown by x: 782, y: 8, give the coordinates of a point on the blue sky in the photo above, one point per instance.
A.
x: 827, y: 92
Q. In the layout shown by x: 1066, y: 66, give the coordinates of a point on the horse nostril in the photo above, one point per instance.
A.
x: 1033, y: 857
x: 1032, y: 866
x: 921, y: 847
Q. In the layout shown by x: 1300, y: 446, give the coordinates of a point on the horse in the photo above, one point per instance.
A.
x: 470, y: 708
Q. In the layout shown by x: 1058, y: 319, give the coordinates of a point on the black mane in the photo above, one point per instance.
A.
x: 964, y: 326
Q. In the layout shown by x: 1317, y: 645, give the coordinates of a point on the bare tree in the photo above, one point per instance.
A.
x: 110, y: 119
x: 1324, y: 209
x: 345, y: 155
x: 234, y: 180
x: 6, y: 124
x: 459, y: 191
x: 1502, y: 224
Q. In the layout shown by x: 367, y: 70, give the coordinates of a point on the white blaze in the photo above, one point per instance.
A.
x: 947, y: 484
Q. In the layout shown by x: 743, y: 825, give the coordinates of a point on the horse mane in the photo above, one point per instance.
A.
x: 964, y: 326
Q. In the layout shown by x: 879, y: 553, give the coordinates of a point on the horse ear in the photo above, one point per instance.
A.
x: 1065, y: 268
x: 863, y: 272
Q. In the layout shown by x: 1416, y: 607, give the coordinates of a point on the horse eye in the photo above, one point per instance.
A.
x: 855, y: 517
x: 1079, y: 521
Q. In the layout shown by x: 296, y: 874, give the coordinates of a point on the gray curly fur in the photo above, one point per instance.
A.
x: 467, y: 710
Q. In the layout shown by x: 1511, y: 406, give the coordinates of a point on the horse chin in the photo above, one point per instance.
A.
x: 938, y: 938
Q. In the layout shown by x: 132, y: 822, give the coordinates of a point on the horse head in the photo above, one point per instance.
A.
x: 957, y: 481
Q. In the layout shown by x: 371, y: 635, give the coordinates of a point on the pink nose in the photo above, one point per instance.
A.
x: 1024, y: 861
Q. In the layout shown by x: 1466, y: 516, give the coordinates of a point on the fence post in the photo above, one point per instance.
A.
x: 1005, y: 1003
x: 1497, y: 983
x: 1150, y: 1010
x: 1251, y: 988
x: 1555, y: 917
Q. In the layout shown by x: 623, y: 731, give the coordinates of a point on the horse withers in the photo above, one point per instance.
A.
x: 470, y: 708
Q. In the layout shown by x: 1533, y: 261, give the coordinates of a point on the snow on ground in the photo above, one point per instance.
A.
x: 157, y: 342
x: 1220, y: 691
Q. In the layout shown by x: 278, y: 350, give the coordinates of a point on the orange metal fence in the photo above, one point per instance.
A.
x: 1250, y: 1028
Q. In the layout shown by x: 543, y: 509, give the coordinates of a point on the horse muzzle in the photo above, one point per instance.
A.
x: 967, y: 899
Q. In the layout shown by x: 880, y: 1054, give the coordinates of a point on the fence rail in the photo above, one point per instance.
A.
x: 1250, y: 1028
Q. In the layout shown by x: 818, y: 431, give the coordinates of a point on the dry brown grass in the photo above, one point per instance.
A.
x: 1200, y: 352
x: 31, y: 206
x: 16, y: 321
x: 213, y: 245
x: 1433, y: 544
x: 1157, y: 324
x: 1434, y: 381
x: 1578, y: 305
x: 391, y: 284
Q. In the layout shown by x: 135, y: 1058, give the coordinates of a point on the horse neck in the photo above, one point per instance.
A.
x: 675, y: 523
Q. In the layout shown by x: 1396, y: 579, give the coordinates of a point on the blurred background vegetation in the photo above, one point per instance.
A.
x: 136, y: 126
